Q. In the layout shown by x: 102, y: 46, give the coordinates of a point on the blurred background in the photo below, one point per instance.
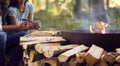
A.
x: 74, y: 14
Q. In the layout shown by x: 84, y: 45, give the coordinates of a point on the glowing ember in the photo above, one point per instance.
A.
x: 100, y: 27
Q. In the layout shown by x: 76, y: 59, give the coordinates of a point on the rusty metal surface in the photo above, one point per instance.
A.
x: 109, y: 41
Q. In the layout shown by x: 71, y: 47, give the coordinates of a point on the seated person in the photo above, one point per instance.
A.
x: 19, y: 27
x: 22, y: 11
x: 4, y: 37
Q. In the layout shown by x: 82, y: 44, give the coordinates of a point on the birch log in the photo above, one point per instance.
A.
x: 80, y: 57
x: 50, y: 51
x: 64, y: 56
x: 47, y: 62
x: 118, y: 59
x: 110, y: 58
x: 42, y: 39
x: 93, y: 55
x: 101, y: 62
x: 118, y: 50
x: 44, y: 33
x: 27, y: 41
x: 35, y: 56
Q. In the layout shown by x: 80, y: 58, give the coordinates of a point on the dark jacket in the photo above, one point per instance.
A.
x: 4, y: 14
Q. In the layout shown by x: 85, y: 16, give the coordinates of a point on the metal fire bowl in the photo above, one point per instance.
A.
x: 109, y: 41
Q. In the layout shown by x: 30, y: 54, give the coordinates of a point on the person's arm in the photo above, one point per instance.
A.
x: 31, y: 10
x: 13, y: 20
x: 17, y: 27
x: 1, y: 29
x: 9, y: 27
x: 30, y: 17
x: 36, y: 24
x: 25, y: 26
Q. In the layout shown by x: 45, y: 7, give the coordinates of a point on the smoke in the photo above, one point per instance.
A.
x: 85, y: 17
x: 88, y: 16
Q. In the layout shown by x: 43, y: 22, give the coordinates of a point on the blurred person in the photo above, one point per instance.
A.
x: 3, y: 28
x: 19, y: 11
x: 10, y: 41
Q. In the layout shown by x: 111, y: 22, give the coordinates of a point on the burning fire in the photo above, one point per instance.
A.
x: 100, y: 27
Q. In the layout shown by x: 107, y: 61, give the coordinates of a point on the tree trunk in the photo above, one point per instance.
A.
x: 47, y: 5
x: 107, y: 3
x: 77, y: 7
x: 99, y: 13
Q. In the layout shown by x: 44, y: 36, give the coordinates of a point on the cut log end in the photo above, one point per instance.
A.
x: 93, y: 55
x: 62, y: 58
x: 49, y: 53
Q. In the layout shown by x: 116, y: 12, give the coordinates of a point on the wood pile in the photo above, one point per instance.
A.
x: 48, y: 48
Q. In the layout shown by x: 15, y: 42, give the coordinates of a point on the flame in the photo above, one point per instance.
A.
x: 101, y: 28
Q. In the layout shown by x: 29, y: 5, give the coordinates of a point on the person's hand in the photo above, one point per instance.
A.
x: 21, y: 26
x: 30, y: 25
x: 37, y: 25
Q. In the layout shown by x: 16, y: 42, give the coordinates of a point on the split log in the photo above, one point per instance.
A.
x: 118, y: 50
x: 35, y: 56
x: 64, y: 56
x: 47, y: 62
x: 118, y: 59
x: 110, y: 58
x: 30, y: 63
x: 25, y: 46
x: 93, y: 55
x: 41, y: 39
x: 101, y: 62
x: 73, y: 62
x: 80, y: 57
x: 38, y: 47
x: 44, y: 33
x: 31, y: 41
x: 78, y: 60
x: 50, y: 51
x: 25, y: 54
x: 25, y: 58
x: 28, y: 46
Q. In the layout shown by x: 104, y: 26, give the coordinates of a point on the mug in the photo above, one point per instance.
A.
x: 24, y: 20
x: 37, y: 24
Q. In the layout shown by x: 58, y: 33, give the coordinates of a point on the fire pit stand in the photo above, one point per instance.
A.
x: 109, y: 41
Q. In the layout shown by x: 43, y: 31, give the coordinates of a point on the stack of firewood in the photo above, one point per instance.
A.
x: 48, y: 48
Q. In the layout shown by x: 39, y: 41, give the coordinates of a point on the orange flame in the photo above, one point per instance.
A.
x: 100, y: 28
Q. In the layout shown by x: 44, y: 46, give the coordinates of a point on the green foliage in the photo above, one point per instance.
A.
x: 51, y: 22
x: 56, y: 17
x: 114, y: 17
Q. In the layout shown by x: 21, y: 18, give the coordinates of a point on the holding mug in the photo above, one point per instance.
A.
x: 24, y: 20
x: 37, y: 24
